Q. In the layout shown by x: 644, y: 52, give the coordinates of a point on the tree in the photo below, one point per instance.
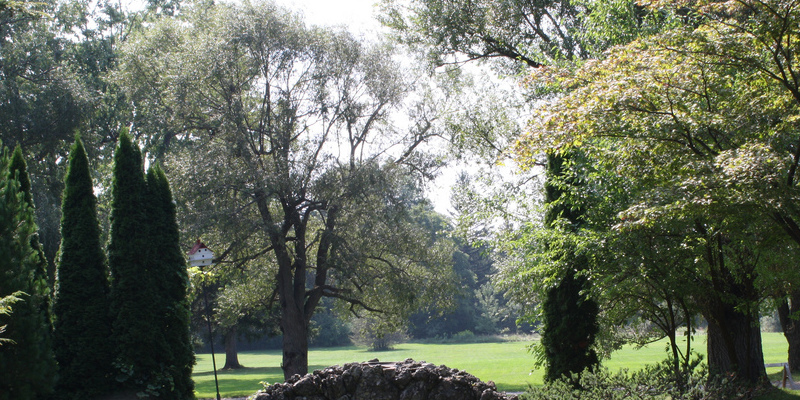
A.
x: 712, y: 96
x: 54, y: 59
x: 569, y: 315
x: 534, y: 35
x: 167, y: 270
x: 19, y: 168
x: 149, y: 282
x: 517, y: 34
x: 40, y: 107
x: 133, y: 289
x: 29, y: 367
x: 81, y: 305
x: 294, y: 129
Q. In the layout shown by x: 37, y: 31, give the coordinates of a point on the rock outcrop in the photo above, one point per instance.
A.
x: 374, y: 380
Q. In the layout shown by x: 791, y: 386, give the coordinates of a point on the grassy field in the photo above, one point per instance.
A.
x: 508, y: 364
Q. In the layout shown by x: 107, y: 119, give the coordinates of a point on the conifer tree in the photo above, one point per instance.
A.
x: 132, y: 289
x: 569, y: 316
x: 168, y: 265
x: 19, y: 166
x: 27, y: 366
x: 81, y: 305
x: 19, y: 169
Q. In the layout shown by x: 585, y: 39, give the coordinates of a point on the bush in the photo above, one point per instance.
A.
x: 464, y: 337
x: 653, y: 383
x: 376, y: 333
x: 328, y: 330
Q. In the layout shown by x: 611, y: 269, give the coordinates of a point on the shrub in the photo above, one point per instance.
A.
x: 464, y: 337
x: 653, y: 383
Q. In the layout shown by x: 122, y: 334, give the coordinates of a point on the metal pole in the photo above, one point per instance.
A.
x: 211, y: 340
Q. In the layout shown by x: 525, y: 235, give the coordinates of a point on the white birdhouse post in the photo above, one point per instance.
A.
x: 201, y: 256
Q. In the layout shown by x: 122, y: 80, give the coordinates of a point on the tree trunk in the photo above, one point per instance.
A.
x: 734, y: 343
x: 231, y: 352
x: 788, y: 314
x: 295, y: 343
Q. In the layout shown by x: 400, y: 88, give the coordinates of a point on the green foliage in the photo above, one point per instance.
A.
x: 570, y: 327
x: 329, y: 328
x: 82, y: 324
x: 377, y: 332
x: 149, y: 303
x: 478, y: 306
x: 6, y: 303
x: 697, y: 118
x: 133, y: 289
x: 28, y: 366
x: 167, y: 269
x: 652, y: 383
x: 518, y: 33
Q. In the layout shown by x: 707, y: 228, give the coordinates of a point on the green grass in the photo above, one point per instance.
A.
x: 508, y: 364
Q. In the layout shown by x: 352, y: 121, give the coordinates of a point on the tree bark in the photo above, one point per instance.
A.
x: 295, y: 342
x: 734, y: 343
x: 290, y: 284
x: 231, y: 351
x: 788, y: 311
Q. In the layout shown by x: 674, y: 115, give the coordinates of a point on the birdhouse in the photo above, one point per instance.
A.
x: 200, y: 255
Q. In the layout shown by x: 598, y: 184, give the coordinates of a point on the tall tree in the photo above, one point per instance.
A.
x: 29, y: 366
x: 167, y: 270
x: 569, y: 314
x: 19, y: 168
x: 135, y: 334
x: 295, y: 133
x: 81, y: 305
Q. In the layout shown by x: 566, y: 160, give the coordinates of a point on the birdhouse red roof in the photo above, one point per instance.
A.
x: 197, y: 246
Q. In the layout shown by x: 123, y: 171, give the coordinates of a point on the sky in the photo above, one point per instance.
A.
x: 357, y: 15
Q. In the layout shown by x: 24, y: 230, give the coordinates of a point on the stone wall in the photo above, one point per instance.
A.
x: 374, y: 380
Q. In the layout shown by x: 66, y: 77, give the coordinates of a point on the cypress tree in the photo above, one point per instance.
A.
x: 569, y: 315
x: 19, y: 167
x: 132, y: 290
x: 81, y: 305
x: 28, y: 366
x: 168, y: 266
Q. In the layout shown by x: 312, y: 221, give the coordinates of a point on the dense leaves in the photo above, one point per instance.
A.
x: 700, y: 122
x: 167, y: 268
x: 149, y: 282
x: 28, y: 364
x: 81, y: 304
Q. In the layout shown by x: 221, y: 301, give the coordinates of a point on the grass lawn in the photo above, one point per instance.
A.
x: 508, y: 364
